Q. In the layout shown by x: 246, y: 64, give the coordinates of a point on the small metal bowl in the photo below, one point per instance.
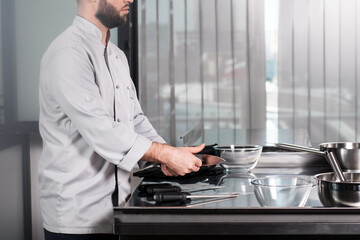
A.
x: 333, y: 193
x: 282, y: 191
x: 239, y: 157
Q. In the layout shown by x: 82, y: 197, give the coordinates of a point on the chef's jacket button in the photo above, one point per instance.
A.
x: 117, y: 86
x: 128, y: 87
x: 130, y: 120
x: 117, y: 56
x: 88, y: 99
x: 118, y: 120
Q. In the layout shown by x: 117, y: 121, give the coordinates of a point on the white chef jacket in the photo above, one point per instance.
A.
x: 90, y: 121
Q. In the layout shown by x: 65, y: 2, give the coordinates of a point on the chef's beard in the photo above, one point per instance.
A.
x: 108, y: 15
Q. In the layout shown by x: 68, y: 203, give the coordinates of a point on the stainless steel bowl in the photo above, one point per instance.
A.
x: 239, y: 157
x: 347, y: 154
x: 282, y: 191
x: 333, y: 193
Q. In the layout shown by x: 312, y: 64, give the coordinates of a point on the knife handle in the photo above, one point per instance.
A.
x: 170, y: 197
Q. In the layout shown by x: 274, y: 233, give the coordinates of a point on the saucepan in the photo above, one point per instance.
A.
x: 330, y: 156
x: 347, y: 154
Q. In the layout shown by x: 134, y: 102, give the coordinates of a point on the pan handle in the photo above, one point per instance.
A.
x: 330, y: 156
x: 335, y: 166
x: 299, y: 148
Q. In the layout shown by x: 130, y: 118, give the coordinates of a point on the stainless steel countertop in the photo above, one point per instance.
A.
x: 270, y: 163
x: 243, y: 215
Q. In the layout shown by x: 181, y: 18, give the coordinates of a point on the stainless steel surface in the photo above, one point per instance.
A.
x: 347, y: 154
x: 208, y: 202
x: 203, y: 189
x: 292, y: 159
x: 329, y: 156
x: 282, y: 191
x: 339, y: 194
x: 238, y: 182
x: 240, y: 157
x: 202, y: 196
x: 233, y: 181
x: 244, y: 215
x: 240, y: 185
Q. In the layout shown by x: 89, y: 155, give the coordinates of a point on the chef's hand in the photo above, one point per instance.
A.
x: 174, y: 160
x: 167, y: 171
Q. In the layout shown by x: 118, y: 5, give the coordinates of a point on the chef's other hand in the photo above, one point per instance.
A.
x: 174, y: 160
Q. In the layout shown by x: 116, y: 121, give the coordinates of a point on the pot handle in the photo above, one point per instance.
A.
x: 335, y: 166
x: 298, y: 148
x: 330, y: 156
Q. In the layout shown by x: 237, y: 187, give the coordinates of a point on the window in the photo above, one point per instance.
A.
x: 193, y: 66
x: 238, y: 65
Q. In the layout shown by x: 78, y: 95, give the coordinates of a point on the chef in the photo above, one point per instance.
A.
x: 93, y: 129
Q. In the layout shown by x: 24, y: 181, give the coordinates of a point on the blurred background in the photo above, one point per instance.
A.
x: 282, y: 69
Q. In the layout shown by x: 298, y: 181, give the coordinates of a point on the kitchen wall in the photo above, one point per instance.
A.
x: 20, y: 216
x: 33, y: 24
x: 36, y: 220
x: 11, y: 197
x: 1, y: 80
x: 36, y: 24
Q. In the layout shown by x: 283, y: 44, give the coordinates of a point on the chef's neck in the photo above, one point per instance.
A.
x: 91, y: 18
